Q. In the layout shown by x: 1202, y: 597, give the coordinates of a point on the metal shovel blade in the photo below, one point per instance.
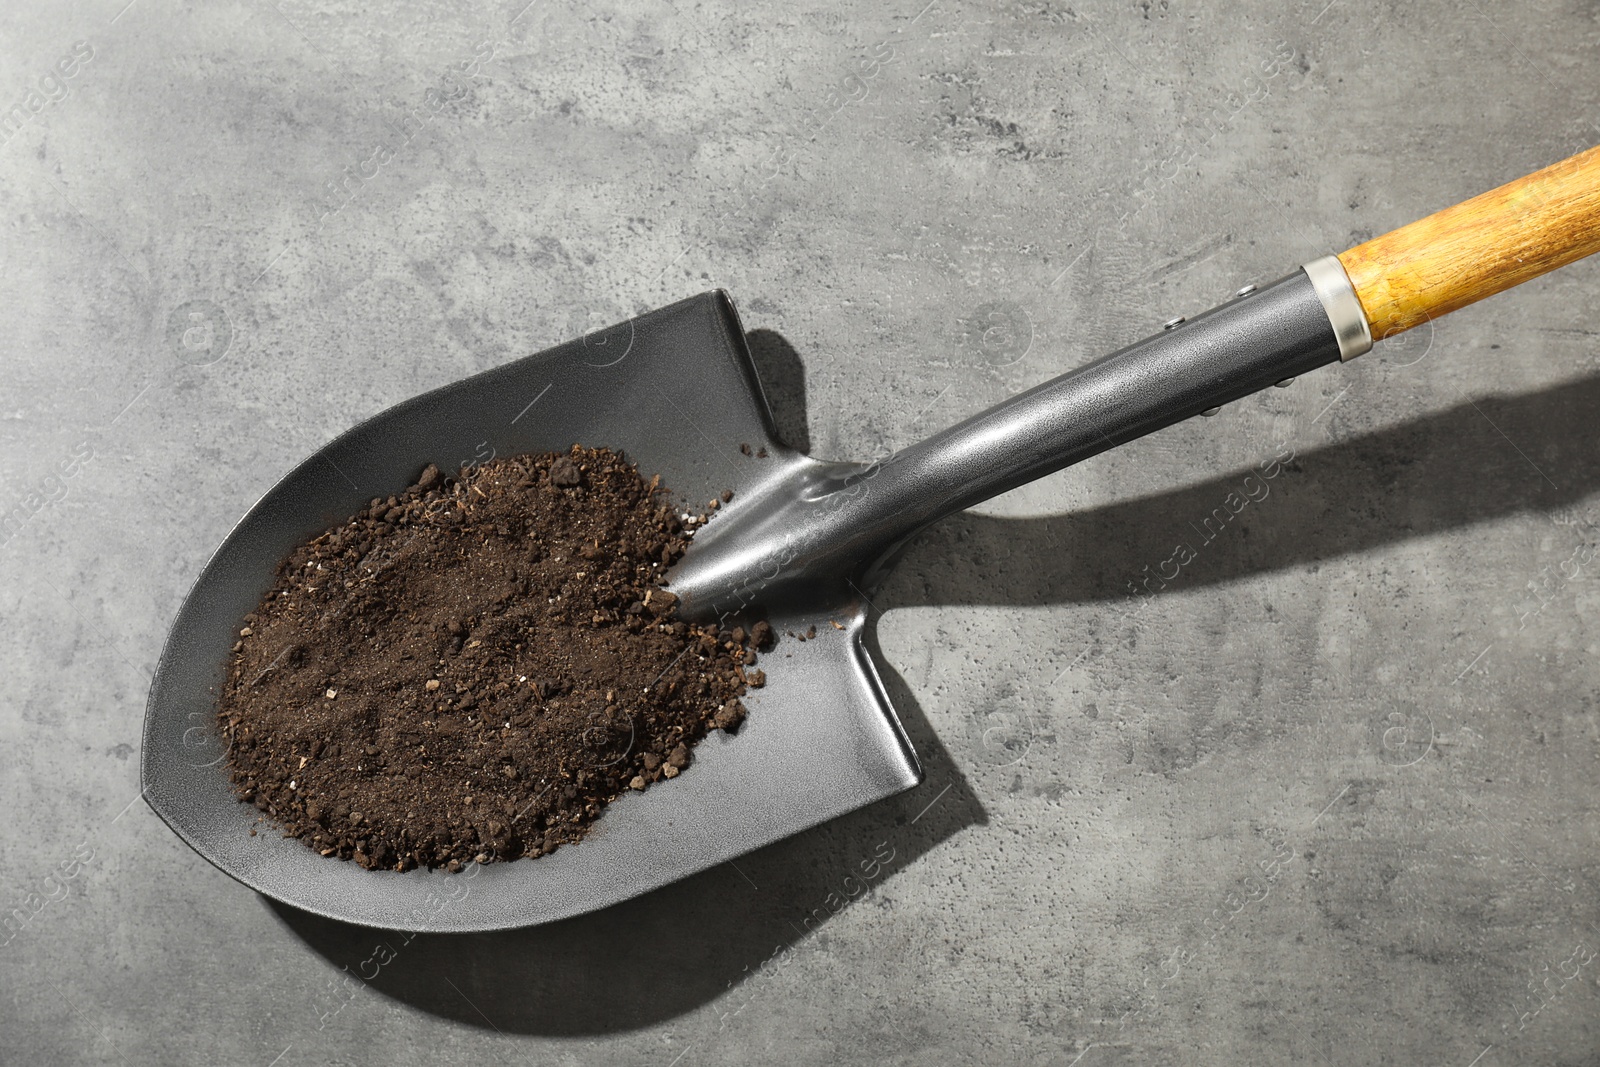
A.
x: 675, y: 390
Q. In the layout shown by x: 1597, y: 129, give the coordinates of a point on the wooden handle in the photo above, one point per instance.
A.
x: 1475, y: 249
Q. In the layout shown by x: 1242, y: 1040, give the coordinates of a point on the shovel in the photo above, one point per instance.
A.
x: 802, y: 544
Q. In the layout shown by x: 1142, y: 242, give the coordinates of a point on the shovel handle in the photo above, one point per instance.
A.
x: 1479, y: 247
x: 839, y: 525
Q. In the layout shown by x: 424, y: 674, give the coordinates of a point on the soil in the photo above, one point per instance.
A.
x: 471, y: 670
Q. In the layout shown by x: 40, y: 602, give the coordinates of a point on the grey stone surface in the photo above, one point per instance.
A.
x: 1328, y: 797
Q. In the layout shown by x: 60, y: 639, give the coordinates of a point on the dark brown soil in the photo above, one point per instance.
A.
x: 472, y: 670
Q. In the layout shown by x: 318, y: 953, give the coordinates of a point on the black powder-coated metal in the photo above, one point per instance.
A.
x: 828, y: 533
x: 676, y: 390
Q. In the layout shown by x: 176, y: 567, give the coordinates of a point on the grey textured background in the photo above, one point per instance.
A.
x: 1329, y: 797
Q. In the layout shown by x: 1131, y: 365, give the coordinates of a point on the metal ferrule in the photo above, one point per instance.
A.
x: 1339, y: 300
